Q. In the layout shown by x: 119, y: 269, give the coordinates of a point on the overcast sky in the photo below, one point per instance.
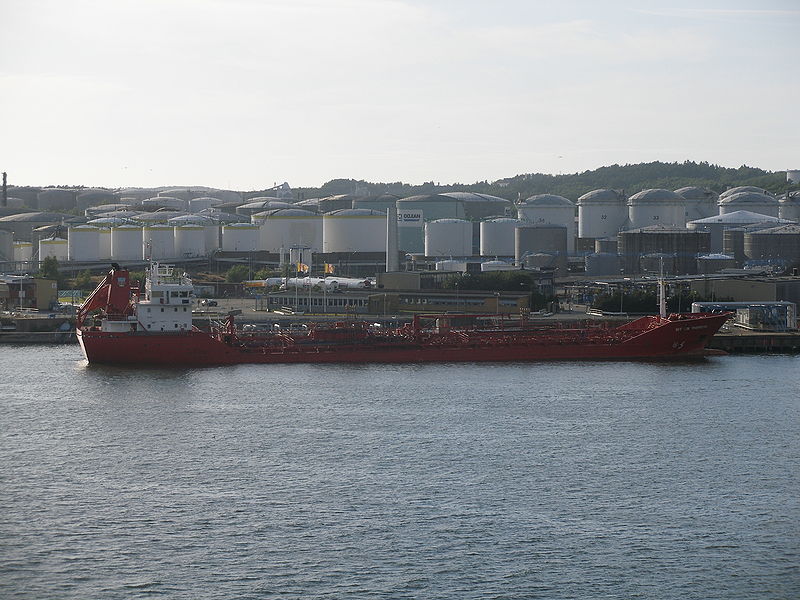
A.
x: 242, y: 94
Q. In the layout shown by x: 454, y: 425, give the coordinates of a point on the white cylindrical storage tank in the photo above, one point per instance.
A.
x: 549, y: 209
x: 700, y: 202
x: 6, y: 245
x: 126, y: 242
x: 656, y: 207
x: 104, y: 243
x: 287, y: 227
x: 789, y: 207
x: 240, y: 237
x: 354, y: 230
x: 212, y: 235
x: 165, y: 202
x: 497, y: 237
x: 198, y: 204
x: 601, y: 214
x: 190, y: 241
x: 764, y: 204
x: 23, y: 253
x: 54, y: 248
x: 158, y: 242
x: 448, y: 237
x: 83, y: 243
x: 743, y: 188
x: 451, y: 265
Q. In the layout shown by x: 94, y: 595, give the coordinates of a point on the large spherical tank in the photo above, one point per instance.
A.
x: 776, y: 242
x: 656, y: 207
x: 480, y: 206
x: 789, y: 207
x: 54, y: 248
x: 497, y: 237
x: 287, y: 227
x: 94, y: 198
x: 448, y: 237
x: 165, y: 202
x: 743, y: 188
x: 198, y: 204
x: 84, y: 243
x: 190, y: 241
x: 6, y: 245
x: 354, y: 230
x: 240, y: 237
x: 752, y: 201
x: 602, y: 264
x: 601, y: 213
x: 549, y: 209
x: 126, y: 242
x: 55, y: 199
x: 700, y: 202
x: 158, y: 242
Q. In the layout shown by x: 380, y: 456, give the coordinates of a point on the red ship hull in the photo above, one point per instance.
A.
x: 648, y: 338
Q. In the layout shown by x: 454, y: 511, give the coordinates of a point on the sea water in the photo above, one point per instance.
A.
x: 540, y: 480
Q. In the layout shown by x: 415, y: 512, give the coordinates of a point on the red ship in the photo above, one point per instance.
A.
x: 122, y: 324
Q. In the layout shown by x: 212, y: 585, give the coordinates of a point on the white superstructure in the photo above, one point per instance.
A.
x: 165, y: 307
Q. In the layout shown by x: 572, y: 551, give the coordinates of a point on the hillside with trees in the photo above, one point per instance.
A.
x: 630, y: 178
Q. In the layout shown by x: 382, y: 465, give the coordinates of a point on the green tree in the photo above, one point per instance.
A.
x: 237, y: 274
x: 49, y: 270
x: 83, y: 281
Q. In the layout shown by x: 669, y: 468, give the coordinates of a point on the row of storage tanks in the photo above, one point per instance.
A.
x: 443, y: 228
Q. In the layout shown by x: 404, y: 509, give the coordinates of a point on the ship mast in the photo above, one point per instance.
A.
x: 662, y: 293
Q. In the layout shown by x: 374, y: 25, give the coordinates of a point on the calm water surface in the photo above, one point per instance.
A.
x: 583, y: 480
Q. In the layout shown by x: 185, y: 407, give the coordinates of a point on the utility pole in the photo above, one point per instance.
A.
x: 5, y: 189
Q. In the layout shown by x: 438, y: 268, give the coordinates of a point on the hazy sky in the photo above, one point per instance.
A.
x: 242, y: 94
